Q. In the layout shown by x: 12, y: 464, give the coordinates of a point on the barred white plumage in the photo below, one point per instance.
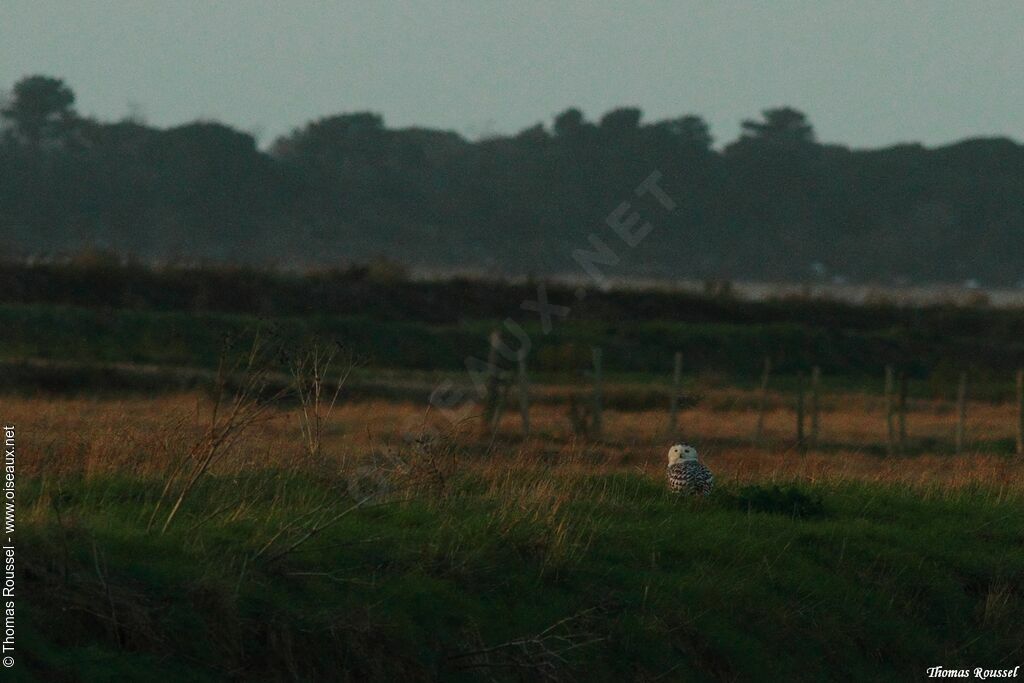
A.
x: 685, y: 474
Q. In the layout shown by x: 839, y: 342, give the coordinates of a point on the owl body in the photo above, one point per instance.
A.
x: 690, y: 478
x: 686, y: 475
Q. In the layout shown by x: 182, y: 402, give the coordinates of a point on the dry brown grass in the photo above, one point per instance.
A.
x: 142, y: 436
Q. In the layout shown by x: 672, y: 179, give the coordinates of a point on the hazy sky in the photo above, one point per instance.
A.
x: 867, y: 74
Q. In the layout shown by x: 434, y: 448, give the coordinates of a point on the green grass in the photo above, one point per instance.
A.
x: 868, y: 583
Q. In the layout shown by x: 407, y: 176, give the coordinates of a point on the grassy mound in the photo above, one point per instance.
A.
x: 783, y: 500
x: 515, y: 576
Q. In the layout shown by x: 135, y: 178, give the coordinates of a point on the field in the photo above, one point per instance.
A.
x: 406, y: 547
x: 193, y: 505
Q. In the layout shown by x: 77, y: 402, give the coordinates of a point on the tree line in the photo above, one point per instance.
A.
x: 775, y: 203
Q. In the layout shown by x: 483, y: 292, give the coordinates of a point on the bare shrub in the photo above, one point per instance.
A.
x: 242, y: 398
x: 311, y: 372
x: 546, y: 655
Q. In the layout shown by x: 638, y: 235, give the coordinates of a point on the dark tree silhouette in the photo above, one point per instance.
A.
x: 39, y: 108
x: 569, y: 123
x: 689, y: 131
x: 347, y: 188
x: 781, y: 125
x: 623, y: 120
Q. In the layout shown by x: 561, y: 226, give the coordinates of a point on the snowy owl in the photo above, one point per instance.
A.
x: 685, y: 474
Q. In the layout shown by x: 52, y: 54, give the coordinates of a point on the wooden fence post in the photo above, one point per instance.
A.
x: 677, y: 380
x: 890, y: 409
x: 595, y: 425
x: 524, y: 392
x: 800, y: 390
x: 492, y: 400
x: 815, y: 405
x: 961, y: 409
x: 762, y: 402
x: 1020, y: 412
x: 902, y: 414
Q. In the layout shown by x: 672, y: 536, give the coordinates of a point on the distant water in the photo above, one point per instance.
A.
x: 967, y: 294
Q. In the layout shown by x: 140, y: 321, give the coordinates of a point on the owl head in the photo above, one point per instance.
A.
x: 679, y: 453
